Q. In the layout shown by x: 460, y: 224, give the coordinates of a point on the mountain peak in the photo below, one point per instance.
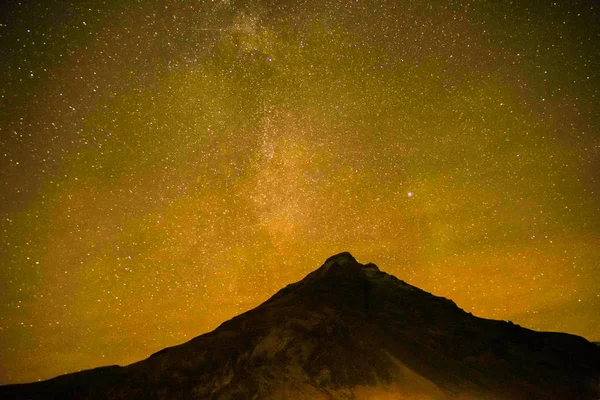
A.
x: 343, y: 265
x: 340, y: 263
x: 339, y: 280
x: 349, y: 330
x: 341, y: 257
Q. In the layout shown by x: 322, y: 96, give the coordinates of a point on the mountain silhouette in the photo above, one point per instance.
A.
x: 349, y: 331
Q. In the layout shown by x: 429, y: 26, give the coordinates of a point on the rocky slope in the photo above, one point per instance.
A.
x: 349, y: 331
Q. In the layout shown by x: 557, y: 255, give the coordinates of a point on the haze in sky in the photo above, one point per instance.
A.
x: 167, y: 165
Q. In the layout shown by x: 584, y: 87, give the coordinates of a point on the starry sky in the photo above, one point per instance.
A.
x: 166, y: 165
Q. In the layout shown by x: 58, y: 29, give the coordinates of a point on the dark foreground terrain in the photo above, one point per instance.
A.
x: 349, y: 331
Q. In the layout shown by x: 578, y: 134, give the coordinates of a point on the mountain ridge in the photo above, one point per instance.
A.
x: 348, y: 330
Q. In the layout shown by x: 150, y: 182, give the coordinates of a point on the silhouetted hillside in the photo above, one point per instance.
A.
x: 348, y: 331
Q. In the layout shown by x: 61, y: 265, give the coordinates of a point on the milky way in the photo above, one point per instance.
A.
x: 167, y: 165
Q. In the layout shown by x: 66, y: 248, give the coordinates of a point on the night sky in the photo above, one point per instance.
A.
x: 166, y: 165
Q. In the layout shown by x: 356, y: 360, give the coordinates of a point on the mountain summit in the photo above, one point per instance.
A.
x: 349, y: 331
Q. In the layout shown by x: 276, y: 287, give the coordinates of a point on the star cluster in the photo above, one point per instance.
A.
x: 167, y: 165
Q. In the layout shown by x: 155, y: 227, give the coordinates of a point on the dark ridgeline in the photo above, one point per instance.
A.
x: 345, y: 331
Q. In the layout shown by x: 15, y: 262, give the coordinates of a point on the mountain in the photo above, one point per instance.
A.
x: 349, y: 331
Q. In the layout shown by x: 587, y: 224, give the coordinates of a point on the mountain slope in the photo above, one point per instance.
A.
x: 345, y: 331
